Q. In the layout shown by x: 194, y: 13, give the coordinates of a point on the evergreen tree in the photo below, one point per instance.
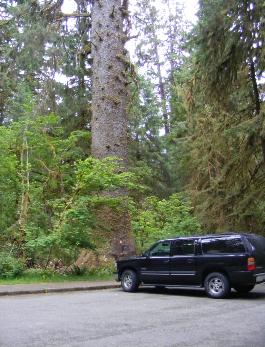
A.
x: 39, y: 49
x: 109, y: 104
x: 161, y: 56
x: 227, y: 115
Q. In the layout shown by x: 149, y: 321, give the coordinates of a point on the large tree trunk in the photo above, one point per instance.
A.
x: 109, y: 105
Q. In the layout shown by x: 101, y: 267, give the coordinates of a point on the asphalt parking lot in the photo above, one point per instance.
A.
x: 146, y: 318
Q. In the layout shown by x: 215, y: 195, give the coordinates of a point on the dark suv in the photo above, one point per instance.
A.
x: 215, y: 262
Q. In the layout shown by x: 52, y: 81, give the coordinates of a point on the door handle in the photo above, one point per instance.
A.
x: 190, y: 261
x: 166, y: 261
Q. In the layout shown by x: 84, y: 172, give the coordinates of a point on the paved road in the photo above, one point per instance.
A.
x: 147, y: 318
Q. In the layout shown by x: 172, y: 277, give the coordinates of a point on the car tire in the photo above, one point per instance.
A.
x: 129, y: 281
x: 217, y: 285
x: 244, y: 289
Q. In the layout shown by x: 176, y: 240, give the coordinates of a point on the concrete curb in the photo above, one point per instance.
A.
x: 57, y: 290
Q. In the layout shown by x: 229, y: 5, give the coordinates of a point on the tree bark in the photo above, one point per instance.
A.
x: 109, y: 105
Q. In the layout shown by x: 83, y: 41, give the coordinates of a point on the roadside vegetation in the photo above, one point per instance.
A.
x: 31, y: 276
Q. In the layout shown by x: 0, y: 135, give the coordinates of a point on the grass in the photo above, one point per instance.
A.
x: 34, y: 278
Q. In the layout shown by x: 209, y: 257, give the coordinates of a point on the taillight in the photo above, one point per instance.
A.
x: 251, y: 264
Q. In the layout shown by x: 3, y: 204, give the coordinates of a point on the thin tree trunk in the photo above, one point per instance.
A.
x: 162, y: 93
x: 254, y: 87
x: 256, y: 99
x: 83, y: 24
x: 24, y: 204
x: 109, y: 105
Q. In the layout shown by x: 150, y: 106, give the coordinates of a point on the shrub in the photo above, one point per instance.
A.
x: 158, y: 219
x: 78, y: 270
x: 10, y: 266
x: 103, y: 271
x: 39, y: 272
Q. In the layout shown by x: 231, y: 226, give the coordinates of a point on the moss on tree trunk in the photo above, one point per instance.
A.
x: 109, y: 106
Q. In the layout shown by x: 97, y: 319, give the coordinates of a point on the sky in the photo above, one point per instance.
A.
x: 191, y: 7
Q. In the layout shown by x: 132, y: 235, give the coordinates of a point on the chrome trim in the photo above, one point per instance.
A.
x: 166, y: 273
x: 155, y: 273
x: 182, y: 272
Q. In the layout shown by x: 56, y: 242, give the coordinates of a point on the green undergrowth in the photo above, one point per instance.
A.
x: 44, y: 276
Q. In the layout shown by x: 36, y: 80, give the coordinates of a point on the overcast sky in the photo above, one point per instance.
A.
x: 191, y: 7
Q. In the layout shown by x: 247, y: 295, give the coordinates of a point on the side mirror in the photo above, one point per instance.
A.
x: 146, y: 254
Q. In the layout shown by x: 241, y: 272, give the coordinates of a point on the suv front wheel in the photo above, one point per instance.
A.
x: 129, y: 281
x: 217, y: 285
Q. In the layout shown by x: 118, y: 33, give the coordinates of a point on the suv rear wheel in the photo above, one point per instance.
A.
x: 244, y: 289
x: 129, y: 281
x: 217, y: 285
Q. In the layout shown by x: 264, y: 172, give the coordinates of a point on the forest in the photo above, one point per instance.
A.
x: 123, y: 123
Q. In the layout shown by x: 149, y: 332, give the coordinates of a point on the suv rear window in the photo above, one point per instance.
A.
x: 221, y: 245
x: 258, y: 242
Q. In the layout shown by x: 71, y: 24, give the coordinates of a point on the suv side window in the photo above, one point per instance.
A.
x: 183, y: 247
x: 162, y: 249
x: 221, y: 245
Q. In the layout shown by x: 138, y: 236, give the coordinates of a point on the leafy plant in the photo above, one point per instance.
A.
x: 74, y: 226
x: 157, y: 219
x: 10, y: 266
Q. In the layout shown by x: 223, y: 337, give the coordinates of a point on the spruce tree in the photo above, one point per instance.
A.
x: 226, y: 115
x: 109, y: 105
